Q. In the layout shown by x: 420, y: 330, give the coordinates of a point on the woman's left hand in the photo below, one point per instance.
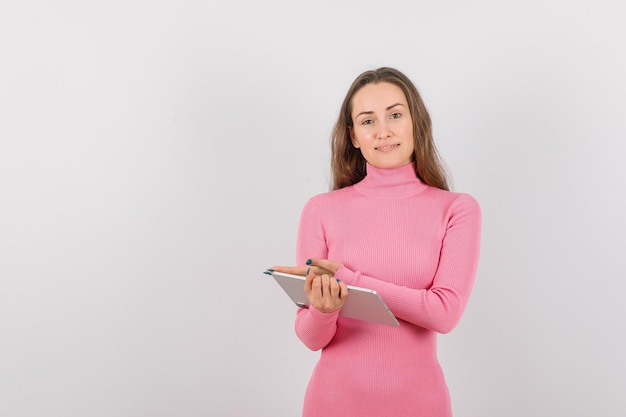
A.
x: 318, y: 267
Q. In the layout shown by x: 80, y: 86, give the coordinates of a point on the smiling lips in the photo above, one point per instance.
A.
x: 387, y: 148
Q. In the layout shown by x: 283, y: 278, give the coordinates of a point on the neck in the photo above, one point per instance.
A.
x: 392, y: 182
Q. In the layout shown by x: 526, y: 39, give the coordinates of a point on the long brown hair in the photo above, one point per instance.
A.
x: 347, y: 163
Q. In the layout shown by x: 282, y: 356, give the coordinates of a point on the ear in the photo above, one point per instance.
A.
x: 353, y: 139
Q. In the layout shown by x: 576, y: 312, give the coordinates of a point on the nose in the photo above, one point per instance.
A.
x: 384, y: 130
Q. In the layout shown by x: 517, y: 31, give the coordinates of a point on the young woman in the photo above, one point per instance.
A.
x: 389, y: 224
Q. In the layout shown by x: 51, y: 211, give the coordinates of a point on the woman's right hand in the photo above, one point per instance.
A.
x: 324, y: 292
x: 318, y: 266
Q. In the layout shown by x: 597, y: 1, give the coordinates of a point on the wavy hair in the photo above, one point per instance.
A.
x: 347, y: 163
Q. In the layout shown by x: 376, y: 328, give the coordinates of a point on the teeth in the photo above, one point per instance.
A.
x: 384, y: 148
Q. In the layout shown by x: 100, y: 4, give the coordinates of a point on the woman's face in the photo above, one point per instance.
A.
x: 382, y: 125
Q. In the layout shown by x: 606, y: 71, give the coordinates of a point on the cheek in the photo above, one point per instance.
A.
x: 364, y: 135
x: 358, y: 138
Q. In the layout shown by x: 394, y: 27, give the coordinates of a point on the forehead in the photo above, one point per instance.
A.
x: 373, y: 97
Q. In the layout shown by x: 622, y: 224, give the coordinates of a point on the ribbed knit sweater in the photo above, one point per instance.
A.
x: 418, y: 247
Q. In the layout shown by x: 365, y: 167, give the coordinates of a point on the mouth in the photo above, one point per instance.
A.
x: 387, y: 148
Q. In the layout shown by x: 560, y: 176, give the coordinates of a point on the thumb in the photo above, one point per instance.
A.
x: 327, y: 264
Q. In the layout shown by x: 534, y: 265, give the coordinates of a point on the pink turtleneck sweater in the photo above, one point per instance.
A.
x: 418, y: 247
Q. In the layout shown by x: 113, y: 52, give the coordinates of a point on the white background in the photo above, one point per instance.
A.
x: 155, y: 156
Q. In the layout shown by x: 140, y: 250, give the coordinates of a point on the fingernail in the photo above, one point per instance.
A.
x: 308, y: 262
x: 307, y: 271
x: 267, y: 273
x: 338, y: 280
x: 270, y: 269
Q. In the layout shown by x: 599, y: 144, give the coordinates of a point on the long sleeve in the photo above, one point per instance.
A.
x: 315, y: 329
x: 440, y: 306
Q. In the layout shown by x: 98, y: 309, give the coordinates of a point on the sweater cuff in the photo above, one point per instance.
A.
x: 323, y: 318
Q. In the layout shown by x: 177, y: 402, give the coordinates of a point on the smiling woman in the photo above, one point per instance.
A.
x: 382, y: 131
x: 383, y: 104
x: 389, y: 224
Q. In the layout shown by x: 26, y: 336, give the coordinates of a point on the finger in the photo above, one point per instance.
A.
x: 323, y: 280
x: 335, y: 289
x: 316, y: 286
x: 326, y: 264
x: 294, y: 270
x: 343, y: 290
x: 326, y: 282
x: 327, y: 302
x: 320, y: 271
x: 314, y: 293
x: 308, y: 282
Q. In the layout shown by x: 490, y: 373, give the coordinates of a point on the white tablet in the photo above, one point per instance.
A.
x: 361, y: 304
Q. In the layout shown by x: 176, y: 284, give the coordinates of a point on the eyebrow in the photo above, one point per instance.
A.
x: 387, y: 109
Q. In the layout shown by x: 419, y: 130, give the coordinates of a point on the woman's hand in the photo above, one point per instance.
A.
x: 317, y: 266
x: 324, y: 292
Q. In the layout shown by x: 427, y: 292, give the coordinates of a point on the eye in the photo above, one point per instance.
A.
x: 396, y: 115
x: 367, y: 122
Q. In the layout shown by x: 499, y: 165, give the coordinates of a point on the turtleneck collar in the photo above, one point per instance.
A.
x: 394, y: 182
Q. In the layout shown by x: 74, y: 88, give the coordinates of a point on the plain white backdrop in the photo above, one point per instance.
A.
x: 155, y: 156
